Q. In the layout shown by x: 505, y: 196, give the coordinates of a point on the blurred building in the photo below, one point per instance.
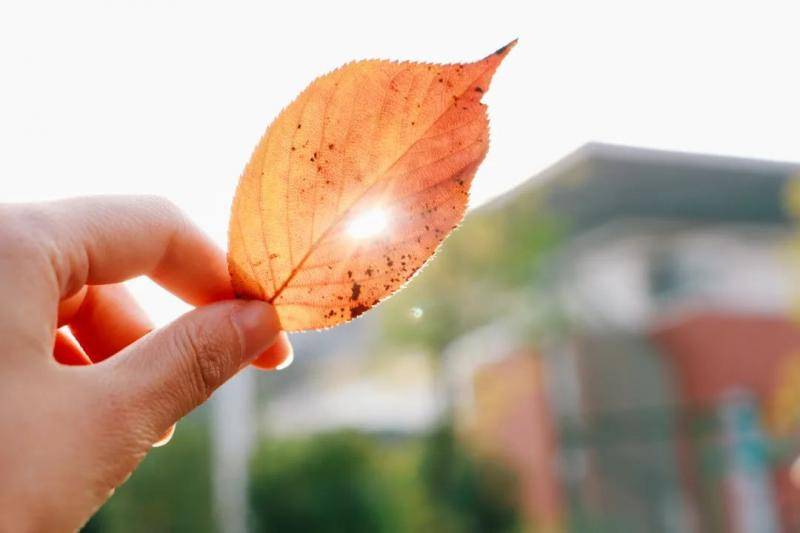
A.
x: 662, y: 394
x: 674, y: 385
x: 497, y: 401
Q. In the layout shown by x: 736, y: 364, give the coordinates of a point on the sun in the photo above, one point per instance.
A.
x: 368, y: 224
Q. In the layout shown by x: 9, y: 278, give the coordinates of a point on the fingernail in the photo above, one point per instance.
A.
x: 276, y: 357
x: 286, y: 362
x: 258, y: 327
x: 165, y: 438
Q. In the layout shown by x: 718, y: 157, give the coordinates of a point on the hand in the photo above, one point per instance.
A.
x: 70, y: 434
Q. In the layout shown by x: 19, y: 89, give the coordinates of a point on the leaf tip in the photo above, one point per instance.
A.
x: 507, y: 48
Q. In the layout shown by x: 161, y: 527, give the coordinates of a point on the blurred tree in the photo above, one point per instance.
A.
x: 338, y: 482
x: 469, y: 494
x: 489, y: 267
x: 351, y: 482
x: 169, y: 492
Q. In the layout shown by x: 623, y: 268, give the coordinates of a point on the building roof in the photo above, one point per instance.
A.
x: 600, y: 182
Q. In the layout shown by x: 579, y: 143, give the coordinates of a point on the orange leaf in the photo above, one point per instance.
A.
x: 355, y: 185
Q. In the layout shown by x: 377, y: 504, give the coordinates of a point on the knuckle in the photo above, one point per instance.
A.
x: 25, y: 230
x: 34, y: 238
x: 159, y: 203
x: 164, y: 208
x: 206, y: 360
x: 171, y: 216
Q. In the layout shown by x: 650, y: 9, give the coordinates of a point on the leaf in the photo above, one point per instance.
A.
x: 356, y: 184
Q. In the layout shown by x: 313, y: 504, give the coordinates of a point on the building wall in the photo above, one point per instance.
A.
x: 719, y: 356
x: 512, y: 423
x: 626, y: 275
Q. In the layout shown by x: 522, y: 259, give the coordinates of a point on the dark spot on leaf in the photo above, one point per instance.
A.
x: 356, y: 291
x: 478, y: 90
x: 358, y: 310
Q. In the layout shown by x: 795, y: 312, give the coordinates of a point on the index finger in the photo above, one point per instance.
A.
x: 109, y: 239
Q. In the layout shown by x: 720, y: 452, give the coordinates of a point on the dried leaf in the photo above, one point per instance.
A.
x: 356, y: 184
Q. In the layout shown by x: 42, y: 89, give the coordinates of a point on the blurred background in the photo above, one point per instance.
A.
x: 610, y: 342
x: 611, y: 347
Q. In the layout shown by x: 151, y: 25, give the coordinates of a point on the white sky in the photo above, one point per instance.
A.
x: 170, y: 97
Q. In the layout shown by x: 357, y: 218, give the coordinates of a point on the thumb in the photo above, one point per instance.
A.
x: 174, y: 369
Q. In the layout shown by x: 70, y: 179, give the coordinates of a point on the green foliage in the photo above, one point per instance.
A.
x: 339, y: 482
x: 350, y: 482
x: 170, y: 491
x: 470, y: 495
x: 488, y: 265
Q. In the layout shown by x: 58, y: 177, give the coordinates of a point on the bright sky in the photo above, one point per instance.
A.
x: 170, y: 97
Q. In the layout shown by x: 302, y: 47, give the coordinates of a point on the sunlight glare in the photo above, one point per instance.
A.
x: 368, y: 224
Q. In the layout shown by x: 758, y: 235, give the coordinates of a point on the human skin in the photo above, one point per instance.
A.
x: 69, y: 435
